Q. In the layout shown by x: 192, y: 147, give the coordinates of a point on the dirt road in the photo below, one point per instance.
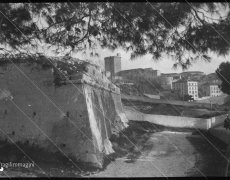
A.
x: 162, y: 159
x: 167, y: 153
x: 164, y: 152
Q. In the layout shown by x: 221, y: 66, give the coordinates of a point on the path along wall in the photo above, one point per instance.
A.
x: 217, y: 129
x: 175, y: 121
x: 74, y: 118
x: 164, y: 101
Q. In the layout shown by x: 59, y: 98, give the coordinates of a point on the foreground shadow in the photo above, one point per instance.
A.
x: 132, y: 142
x: 211, y: 161
x: 45, y: 163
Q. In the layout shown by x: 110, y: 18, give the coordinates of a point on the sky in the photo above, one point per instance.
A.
x: 165, y: 65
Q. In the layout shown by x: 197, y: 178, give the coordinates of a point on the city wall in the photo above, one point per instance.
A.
x: 175, y: 121
x: 76, y: 118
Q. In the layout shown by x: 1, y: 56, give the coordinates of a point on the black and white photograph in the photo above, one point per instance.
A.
x: 114, y: 89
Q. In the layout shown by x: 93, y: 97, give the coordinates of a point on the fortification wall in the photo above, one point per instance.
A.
x: 68, y: 118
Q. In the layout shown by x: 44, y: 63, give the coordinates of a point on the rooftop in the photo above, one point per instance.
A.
x: 210, y: 84
x: 192, y: 72
x: 185, y: 80
x: 170, y: 74
x: 138, y: 69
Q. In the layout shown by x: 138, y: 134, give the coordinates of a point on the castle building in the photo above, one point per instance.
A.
x: 112, y: 66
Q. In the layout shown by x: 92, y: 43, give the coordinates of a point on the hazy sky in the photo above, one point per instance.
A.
x: 165, y: 65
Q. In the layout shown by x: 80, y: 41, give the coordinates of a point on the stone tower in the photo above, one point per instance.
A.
x: 112, y: 65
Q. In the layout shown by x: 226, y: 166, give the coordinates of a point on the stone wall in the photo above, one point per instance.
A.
x: 216, y: 121
x: 164, y: 101
x: 67, y: 118
x: 215, y: 100
x: 168, y: 121
x: 221, y: 133
x: 176, y: 121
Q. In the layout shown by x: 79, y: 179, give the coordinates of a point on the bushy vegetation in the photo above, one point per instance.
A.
x: 142, y: 28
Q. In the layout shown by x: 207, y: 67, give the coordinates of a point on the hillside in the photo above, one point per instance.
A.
x: 175, y: 110
x: 138, y: 89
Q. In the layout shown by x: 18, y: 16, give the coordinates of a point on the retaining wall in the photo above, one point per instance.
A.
x: 69, y: 117
x: 162, y: 101
x: 169, y: 121
x: 175, y: 121
x: 215, y: 100
x: 216, y: 121
x: 221, y: 133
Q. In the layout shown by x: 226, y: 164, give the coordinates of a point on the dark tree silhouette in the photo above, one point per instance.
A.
x: 223, y: 73
x: 157, y: 28
x: 188, y: 97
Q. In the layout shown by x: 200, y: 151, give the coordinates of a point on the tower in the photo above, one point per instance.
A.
x: 112, y: 65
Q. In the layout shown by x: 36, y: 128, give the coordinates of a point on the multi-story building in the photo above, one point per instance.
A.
x: 166, y: 82
x: 168, y: 78
x: 139, y: 74
x: 150, y: 73
x: 186, y: 87
x: 175, y: 76
x: 210, y: 89
x: 211, y: 78
x: 196, y: 75
x: 112, y: 66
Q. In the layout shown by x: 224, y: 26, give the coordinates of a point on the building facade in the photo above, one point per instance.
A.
x: 211, y: 90
x: 195, y: 75
x: 186, y: 87
x: 175, y: 76
x: 139, y: 74
x: 211, y: 78
x: 168, y: 78
x: 166, y: 82
x: 112, y: 66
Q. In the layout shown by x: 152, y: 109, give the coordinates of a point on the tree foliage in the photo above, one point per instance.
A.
x: 223, y: 73
x: 183, y: 31
x: 188, y: 97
